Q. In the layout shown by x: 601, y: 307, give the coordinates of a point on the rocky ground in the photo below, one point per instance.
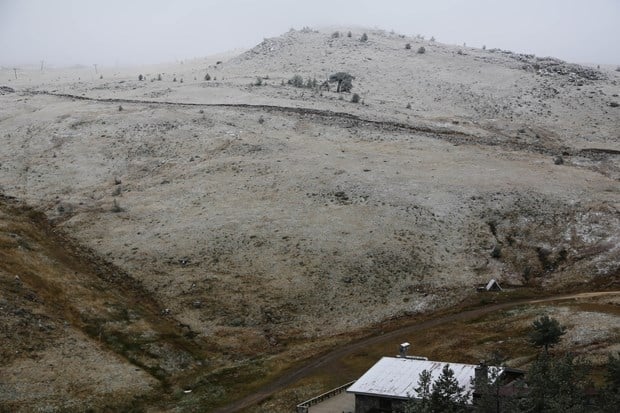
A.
x: 256, y: 226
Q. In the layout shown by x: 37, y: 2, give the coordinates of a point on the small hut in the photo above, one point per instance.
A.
x: 492, y: 285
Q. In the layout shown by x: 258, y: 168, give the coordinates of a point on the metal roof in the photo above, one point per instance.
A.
x: 397, y: 377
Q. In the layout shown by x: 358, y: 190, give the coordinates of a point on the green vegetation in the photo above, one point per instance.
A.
x: 344, y: 81
x: 546, y: 332
x: 298, y: 81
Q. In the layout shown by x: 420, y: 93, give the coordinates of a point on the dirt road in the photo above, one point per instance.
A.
x: 292, y: 376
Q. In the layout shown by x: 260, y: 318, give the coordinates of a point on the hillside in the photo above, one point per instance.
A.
x: 263, y: 218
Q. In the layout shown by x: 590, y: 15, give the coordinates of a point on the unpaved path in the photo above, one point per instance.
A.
x: 440, y: 132
x: 292, y: 376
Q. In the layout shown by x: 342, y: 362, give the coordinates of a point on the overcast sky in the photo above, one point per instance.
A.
x: 127, y: 32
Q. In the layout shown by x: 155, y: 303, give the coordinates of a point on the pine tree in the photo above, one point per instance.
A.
x: 447, y: 396
x: 344, y: 81
x: 546, y: 332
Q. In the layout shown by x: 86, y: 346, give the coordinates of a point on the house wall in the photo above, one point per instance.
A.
x: 373, y: 404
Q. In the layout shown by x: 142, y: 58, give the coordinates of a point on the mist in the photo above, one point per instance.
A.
x: 115, y: 33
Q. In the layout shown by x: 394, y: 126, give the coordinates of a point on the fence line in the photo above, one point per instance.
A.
x: 303, y: 407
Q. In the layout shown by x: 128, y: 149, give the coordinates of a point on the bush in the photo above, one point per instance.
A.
x: 364, y: 37
x: 349, y: 34
x: 421, y: 50
x: 496, y: 252
x: 296, y: 81
x: 140, y: 78
x: 408, y: 46
x: 120, y: 108
x: 432, y: 38
x: 408, y: 106
x: 259, y: 82
x: 355, y: 98
x: 261, y: 120
x: 174, y: 80
x: 335, y: 35
x: 159, y: 76
x: 116, y: 207
x: 207, y: 77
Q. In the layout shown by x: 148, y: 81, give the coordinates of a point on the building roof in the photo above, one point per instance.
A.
x: 397, y: 377
x: 493, y: 284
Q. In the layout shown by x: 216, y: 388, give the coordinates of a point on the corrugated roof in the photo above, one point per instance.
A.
x: 397, y: 377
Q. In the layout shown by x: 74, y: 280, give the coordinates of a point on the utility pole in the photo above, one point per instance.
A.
x: 15, y: 70
x: 42, y: 62
x: 95, y: 68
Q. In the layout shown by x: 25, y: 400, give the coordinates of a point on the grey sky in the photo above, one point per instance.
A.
x: 109, y: 32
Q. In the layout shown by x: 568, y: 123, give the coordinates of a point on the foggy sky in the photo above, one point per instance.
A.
x: 128, y: 32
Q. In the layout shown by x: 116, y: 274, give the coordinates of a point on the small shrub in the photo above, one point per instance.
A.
x: 120, y: 108
x: 296, y: 81
x: 432, y: 38
x: 355, y: 98
x: 100, y: 76
x: 408, y: 46
x: 181, y: 81
x: 259, y: 82
x: 174, y: 80
x: 349, y: 34
x: 335, y: 35
x: 614, y: 104
x: 116, y: 207
x: 159, y: 76
x: 364, y: 37
x: 496, y: 252
x: 261, y: 120
x: 408, y: 106
x: 618, y: 69
x: 207, y: 77
x: 484, y: 47
x: 421, y: 50
x: 459, y: 52
x: 140, y: 78
x: 311, y: 83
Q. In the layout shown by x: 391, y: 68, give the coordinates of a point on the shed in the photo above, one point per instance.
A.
x: 492, y: 285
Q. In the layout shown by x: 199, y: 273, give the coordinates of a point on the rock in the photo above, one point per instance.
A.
x: 558, y: 160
